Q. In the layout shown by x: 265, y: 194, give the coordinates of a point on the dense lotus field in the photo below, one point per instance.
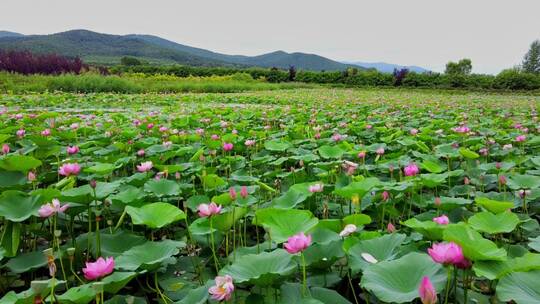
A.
x: 308, y: 196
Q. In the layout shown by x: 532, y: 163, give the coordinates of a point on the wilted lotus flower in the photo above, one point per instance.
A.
x: 228, y: 146
x: 206, y: 210
x: 69, y: 169
x: 99, y: 268
x: 145, y: 166
x: 223, y: 289
x: 52, y: 208
x: 348, y: 230
x: 72, y: 150
x: 441, y: 220
x: 428, y: 294
x: 411, y: 170
x: 318, y: 187
x: 297, y: 243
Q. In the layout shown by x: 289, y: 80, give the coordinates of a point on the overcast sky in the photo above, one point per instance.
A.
x: 494, y: 34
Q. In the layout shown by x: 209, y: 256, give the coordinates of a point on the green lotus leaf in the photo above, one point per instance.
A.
x: 149, y: 255
x: 357, y: 219
x: 82, y: 294
x: 397, y: 281
x: 433, y: 180
x: 290, y: 199
x: 22, y: 163
x: 101, y: 168
x: 277, y: 145
x: 162, y: 187
x: 520, y: 287
x: 382, y: 248
x: 117, y: 280
x: 492, y: 205
x: 503, y: 222
x: 112, y: 244
x: 468, y: 153
x: 518, y: 181
x: 12, y: 178
x: 358, y: 188
x: 155, y: 215
x: 431, y: 166
x: 428, y: 229
x: 535, y: 243
x: 263, y: 269
x: 225, y: 221
x: 17, y: 206
x: 331, y: 152
x: 212, y: 181
x: 475, y: 247
x: 282, y: 223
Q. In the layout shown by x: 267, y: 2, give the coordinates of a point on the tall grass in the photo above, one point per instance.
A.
x: 136, y: 83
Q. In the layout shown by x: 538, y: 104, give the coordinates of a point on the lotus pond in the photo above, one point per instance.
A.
x: 295, y: 196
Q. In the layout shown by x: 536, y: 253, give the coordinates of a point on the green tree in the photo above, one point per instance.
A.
x: 531, y: 61
x: 462, y: 67
x: 130, y: 61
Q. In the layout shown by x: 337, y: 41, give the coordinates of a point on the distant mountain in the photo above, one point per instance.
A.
x: 387, y: 67
x: 9, y: 34
x: 104, y: 48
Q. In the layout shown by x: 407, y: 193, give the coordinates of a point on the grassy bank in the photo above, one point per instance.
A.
x: 136, y: 83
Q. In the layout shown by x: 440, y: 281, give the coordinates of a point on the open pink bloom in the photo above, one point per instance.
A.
x: 380, y: 151
x: 441, y: 220
x: 21, y: 133
x: 411, y: 170
x: 214, y: 137
x: 31, y: 176
x: 297, y: 243
x: 46, y: 132
x: 99, y: 268
x: 361, y: 154
x: 52, y: 208
x: 223, y: 289
x: 145, y: 166
x: 446, y: 253
x: 141, y: 153
x: 72, y: 149
x: 244, y: 192
x: 228, y: 146
x: 69, y: 169
x: 348, y: 230
x: 316, y: 188
x: 427, y: 292
x: 349, y: 167
x: 208, y: 209
x: 413, y: 131
x: 249, y: 142
x: 521, y: 138
x: 337, y: 137
x: 462, y: 129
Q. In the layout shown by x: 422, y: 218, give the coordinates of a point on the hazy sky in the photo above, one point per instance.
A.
x: 495, y: 34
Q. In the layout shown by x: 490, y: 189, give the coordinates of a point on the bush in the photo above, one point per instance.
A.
x: 24, y: 62
x: 515, y: 80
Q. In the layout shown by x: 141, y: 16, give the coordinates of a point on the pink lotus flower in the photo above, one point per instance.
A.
x: 232, y: 193
x: 206, y: 210
x: 20, y: 133
x: 317, y: 135
x: 349, y: 167
x: 244, y: 192
x: 52, y: 208
x: 337, y: 137
x: 150, y: 126
x: 362, y: 154
x: 141, y: 153
x: 249, y: 142
x: 391, y: 228
x: 380, y: 151
x: 446, y: 253
x: 297, y: 243
x: 145, y: 166
x: 441, y: 220
x: 427, y: 292
x: 462, y: 129
x: 214, y: 137
x: 69, y: 169
x: 316, y: 188
x: 99, y: 268
x: 31, y: 176
x: 438, y: 201
x: 199, y: 131
x: 385, y: 196
x: 74, y: 126
x: 228, y: 147
x: 348, y: 230
x: 5, y: 149
x: 413, y: 132
x: 46, y: 132
x: 72, y: 150
x: 163, y: 129
x: 223, y: 289
x: 411, y: 170
x: 521, y: 138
